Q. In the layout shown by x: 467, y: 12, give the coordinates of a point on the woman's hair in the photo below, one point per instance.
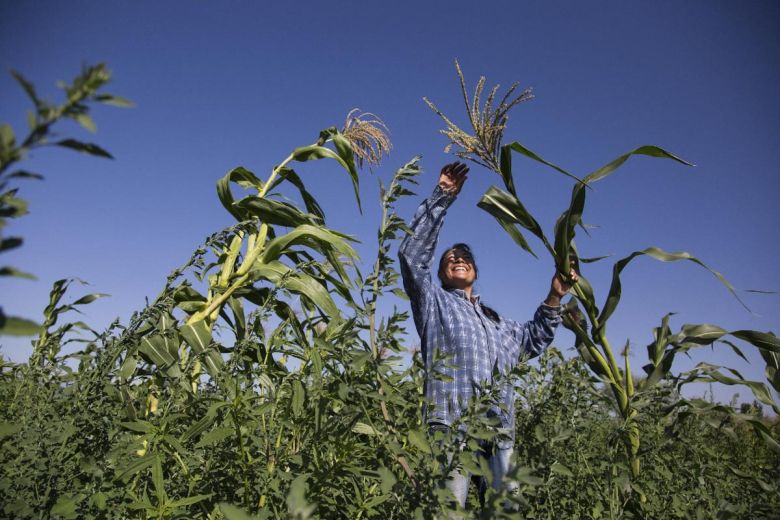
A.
x: 463, y: 247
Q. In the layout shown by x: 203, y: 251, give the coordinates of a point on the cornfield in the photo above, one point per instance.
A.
x: 263, y: 382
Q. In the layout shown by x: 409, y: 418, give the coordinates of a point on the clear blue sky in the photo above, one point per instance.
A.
x: 222, y: 84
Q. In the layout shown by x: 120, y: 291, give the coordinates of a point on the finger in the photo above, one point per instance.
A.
x: 460, y: 169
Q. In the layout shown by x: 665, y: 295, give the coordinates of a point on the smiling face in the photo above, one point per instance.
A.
x: 457, y: 269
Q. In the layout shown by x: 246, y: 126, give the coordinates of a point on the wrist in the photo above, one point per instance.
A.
x: 553, y: 299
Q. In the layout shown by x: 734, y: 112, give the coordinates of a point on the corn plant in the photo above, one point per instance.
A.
x: 483, y: 145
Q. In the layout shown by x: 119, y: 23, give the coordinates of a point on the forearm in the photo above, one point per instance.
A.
x: 417, y: 248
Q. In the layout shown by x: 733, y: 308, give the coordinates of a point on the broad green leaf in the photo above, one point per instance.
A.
x: 613, y: 298
x: 232, y: 512
x: 65, y: 507
x: 365, y: 429
x: 198, y: 336
x: 156, y: 350
x: 88, y: 148
x: 343, y: 155
x: 274, y: 212
x: 418, y: 440
x: 766, y: 341
x: 560, y: 469
x: 243, y: 178
x: 312, y: 206
x: 506, y: 207
x: 214, y: 436
x: 314, y: 236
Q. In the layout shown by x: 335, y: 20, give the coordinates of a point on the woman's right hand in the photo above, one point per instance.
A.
x: 452, y: 177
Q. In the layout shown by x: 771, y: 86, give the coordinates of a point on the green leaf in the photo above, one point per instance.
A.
x: 28, y: 88
x: 317, y: 237
x: 11, y: 271
x: 519, y: 148
x: 315, y: 151
x: 13, y: 326
x: 214, y: 436
x: 613, y: 298
x: 65, y: 507
x: 198, y: 427
x: 24, y: 174
x: 9, y: 429
x: 158, y: 481
x: 365, y: 429
x: 560, y: 469
x: 156, y: 350
x: 138, y: 426
x: 189, y: 500
x: 232, y: 512
x: 6, y: 244
x: 274, y: 212
x: 649, y: 150
x: 301, y: 283
x: 508, y: 208
x: 89, y: 298
x: 128, y: 367
x: 116, y: 101
x: 85, y: 121
x: 198, y: 337
x: 88, y: 148
x: 243, y: 178
x: 136, y: 466
x: 418, y: 440
x: 312, y: 206
x: 298, y: 398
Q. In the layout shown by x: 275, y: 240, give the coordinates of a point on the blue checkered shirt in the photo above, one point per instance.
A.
x: 453, y: 327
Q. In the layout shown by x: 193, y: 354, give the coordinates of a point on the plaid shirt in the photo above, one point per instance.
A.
x: 449, y: 323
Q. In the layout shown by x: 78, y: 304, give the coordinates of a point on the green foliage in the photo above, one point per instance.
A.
x: 263, y: 382
x: 80, y: 94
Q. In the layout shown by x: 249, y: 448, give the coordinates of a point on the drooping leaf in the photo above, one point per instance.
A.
x: 274, y: 212
x: 319, y: 237
x: 613, y: 297
x: 519, y: 148
x: 13, y: 326
x: 316, y: 151
x: 243, y: 178
x: 198, y: 336
x: 88, y: 148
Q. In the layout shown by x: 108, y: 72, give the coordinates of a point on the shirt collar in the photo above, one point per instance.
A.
x: 461, y: 293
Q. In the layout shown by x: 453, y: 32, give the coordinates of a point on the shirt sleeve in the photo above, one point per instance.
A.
x: 416, y: 253
x: 536, y: 335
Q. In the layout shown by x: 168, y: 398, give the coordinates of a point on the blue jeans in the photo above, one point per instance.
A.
x: 498, y: 460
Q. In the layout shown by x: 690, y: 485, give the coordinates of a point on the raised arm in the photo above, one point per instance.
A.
x: 535, y: 335
x: 416, y: 251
